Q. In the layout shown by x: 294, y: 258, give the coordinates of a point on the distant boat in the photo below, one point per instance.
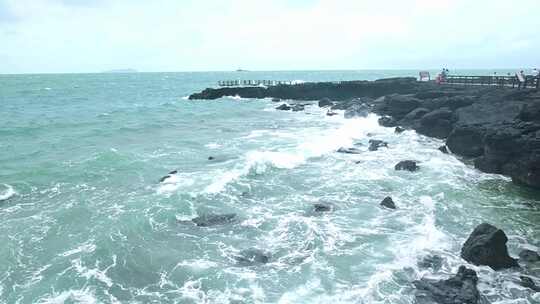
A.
x: 241, y: 70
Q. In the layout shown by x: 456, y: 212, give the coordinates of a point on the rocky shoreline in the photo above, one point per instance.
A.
x: 497, y: 128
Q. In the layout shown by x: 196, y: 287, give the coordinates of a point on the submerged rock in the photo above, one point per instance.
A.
x: 529, y: 256
x: 529, y: 283
x: 298, y: 108
x: 375, y: 144
x: 161, y: 180
x: 349, y: 150
x: 211, y: 158
x: 250, y: 257
x: 284, y: 107
x: 208, y: 220
x: 434, y: 262
x: 357, y: 110
x: 388, y: 203
x: 399, y: 130
x: 276, y: 99
x: 320, y: 207
x: 387, y: 121
x: 487, y: 246
x: 330, y: 113
x: 325, y: 102
x: 460, y: 289
x: 407, y: 165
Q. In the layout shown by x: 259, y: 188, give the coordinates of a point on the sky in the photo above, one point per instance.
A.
x: 71, y: 36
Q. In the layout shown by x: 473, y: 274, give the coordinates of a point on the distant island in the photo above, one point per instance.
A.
x: 121, y: 71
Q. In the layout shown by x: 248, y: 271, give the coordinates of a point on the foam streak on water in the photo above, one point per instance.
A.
x: 85, y: 218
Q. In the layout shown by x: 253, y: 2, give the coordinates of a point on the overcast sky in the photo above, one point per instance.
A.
x: 210, y: 35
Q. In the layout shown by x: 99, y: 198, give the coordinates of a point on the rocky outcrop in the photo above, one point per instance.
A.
x: 337, y: 91
x: 529, y: 283
x: 497, y: 128
x: 487, y: 246
x: 434, y: 262
x: 461, y: 289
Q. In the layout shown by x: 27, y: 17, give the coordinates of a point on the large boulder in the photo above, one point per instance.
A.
x: 396, y: 105
x: 406, y: 165
x: 388, y: 202
x: 460, y: 289
x: 487, y: 246
x: 529, y: 256
x: 437, y: 123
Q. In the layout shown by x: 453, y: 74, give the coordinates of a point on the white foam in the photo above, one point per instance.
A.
x: 83, y: 296
x: 85, y: 248
x: 174, y: 182
x: 213, y: 146
x: 7, y: 193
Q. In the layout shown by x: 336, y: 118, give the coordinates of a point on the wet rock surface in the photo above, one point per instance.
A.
x: 251, y: 257
x: 462, y: 288
x: 387, y: 202
x: 406, y: 165
x: 209, y: 220
x: 487, y: 246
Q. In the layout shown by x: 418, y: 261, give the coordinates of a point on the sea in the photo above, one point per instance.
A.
x: 84, y: 217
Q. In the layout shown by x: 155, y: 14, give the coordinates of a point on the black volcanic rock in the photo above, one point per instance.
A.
x: 388, y: 203
x: 399, y: 130
x: 320, y: 207
x: 414, y: 115
x: 349, y: 150
x: 529, y: 256
x: 357, y: 110
x: 434, y: 262
x: 298, y: 108
x: 375, y: 144
x: 460, y: 289
x: 387, y: 121
x: 407, y: 165
x: 396, y: 105
x: 444, y: 149
x: 251, y: 257
x: 208, y: 220
x: 529, y: 283
x: 487, y: 246
x: 325, y: 102
x: 467, y: 140
x: 437, y: 123
x: 284, y: 107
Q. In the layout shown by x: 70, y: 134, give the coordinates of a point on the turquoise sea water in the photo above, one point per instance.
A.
x: 84, y: 218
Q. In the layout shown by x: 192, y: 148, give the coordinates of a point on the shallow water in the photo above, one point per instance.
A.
x: 85, y: 219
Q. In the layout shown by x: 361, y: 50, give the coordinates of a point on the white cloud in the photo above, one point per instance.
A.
x: 77, y: 35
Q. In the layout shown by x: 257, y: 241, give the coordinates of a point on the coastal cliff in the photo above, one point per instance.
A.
x: 497, y: 128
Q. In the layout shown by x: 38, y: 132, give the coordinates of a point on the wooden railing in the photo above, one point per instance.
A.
x: 531, y: 82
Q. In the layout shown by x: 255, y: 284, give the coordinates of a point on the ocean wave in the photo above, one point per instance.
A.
x: 6, y: 193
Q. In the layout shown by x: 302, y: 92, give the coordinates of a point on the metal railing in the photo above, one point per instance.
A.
x: 531, y: 82
x: 254, y: 83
